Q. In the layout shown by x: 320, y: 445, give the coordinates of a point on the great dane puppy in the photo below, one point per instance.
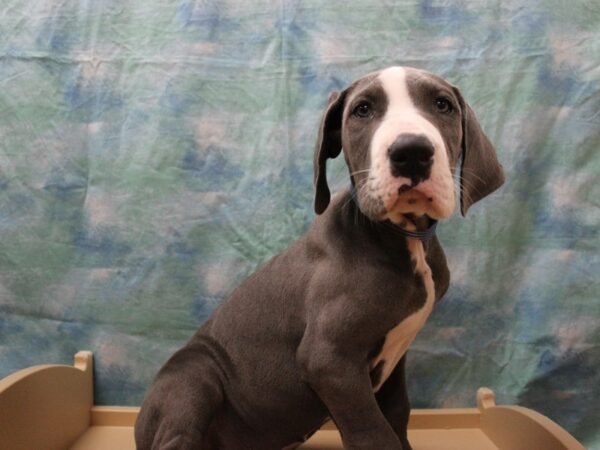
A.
x: 320, y: 331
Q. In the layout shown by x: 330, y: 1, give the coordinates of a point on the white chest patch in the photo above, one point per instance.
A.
x: 401, y: 336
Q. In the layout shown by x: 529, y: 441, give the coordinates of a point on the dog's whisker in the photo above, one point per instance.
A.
x: 468, y: 187
x: 359, y: 172
x: 358, y: 187
x: 472, y: 173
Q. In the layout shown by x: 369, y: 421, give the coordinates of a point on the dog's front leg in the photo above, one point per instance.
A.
x: 342, y: 382
x: 394, y: 403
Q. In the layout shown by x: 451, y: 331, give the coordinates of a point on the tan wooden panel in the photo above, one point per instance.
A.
x: 46, y: 407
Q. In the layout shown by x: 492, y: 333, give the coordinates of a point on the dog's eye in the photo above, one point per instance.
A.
x: 363, y: 110
x: 443, y: 105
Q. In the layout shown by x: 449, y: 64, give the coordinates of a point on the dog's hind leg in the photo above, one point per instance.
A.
x: 182, y: 401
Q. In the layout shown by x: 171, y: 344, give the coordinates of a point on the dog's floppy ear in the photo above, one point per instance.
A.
x: 329, y: 145
x: 481, y: 172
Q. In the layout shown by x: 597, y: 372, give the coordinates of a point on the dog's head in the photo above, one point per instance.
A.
x: 403, y: 132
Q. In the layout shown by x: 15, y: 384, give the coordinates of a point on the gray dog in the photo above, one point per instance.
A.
x: 320, y: 331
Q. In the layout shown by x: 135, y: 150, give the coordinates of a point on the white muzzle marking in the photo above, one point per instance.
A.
x: 433, y: 196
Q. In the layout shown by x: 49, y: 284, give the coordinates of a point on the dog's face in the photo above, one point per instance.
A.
x: 403, y: 131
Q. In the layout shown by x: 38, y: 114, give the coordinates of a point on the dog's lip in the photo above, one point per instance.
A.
x: 406, y: 193
x: 404, y: 189
x: 419, y: 188
x: 417, y: 199
x: 412, y: 197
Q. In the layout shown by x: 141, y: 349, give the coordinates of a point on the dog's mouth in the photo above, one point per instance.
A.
x: 392, y: 200
x: 420, y: 199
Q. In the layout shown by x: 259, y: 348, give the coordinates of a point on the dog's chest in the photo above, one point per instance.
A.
x: 401, y: 336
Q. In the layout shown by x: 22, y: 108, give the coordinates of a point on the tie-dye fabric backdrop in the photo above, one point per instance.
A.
x: 154, y: 153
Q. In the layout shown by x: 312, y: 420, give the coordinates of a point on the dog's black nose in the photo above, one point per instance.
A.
x: 411, y: 156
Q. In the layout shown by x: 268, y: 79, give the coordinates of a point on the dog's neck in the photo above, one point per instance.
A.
x: 416, y: 227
